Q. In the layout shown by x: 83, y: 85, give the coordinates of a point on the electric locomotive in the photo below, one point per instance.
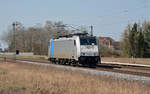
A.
x: 75, y: 49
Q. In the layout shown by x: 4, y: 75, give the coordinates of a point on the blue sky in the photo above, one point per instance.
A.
x: 109, y: 17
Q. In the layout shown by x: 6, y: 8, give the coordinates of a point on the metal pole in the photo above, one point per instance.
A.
x: 91, y: 30
x: 14, y: 30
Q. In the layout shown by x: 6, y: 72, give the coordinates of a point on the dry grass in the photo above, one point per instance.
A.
x: 18, y: 78
x: 145, y: 61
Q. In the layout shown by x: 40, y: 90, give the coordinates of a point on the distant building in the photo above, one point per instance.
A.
x: 109, y: 42
x: 116, y: 45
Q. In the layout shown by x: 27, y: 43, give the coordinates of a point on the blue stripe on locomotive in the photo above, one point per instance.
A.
x: 52, y: 48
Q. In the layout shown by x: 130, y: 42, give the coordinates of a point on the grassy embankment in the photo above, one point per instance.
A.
x: 145, y: 61
x: 18, y: 78
x: 27, y: 57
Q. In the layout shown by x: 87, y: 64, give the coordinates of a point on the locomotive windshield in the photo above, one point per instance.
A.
x: 88, y: 41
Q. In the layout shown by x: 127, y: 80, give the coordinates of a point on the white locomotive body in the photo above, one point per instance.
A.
x: 75, y: 50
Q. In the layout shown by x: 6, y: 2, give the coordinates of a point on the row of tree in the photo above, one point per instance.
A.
x: 34, y: 39
x: 136, y: 40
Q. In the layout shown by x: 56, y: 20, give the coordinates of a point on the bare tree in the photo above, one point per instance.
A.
x: 34, y: 39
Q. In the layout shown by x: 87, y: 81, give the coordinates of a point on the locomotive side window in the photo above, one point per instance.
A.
x: 75, y: 42
x: 88, y: 41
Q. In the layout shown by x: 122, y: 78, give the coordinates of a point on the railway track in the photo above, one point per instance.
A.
x: 133, y: 70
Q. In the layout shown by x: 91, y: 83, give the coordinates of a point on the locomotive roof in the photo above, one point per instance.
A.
x: 76, y: 34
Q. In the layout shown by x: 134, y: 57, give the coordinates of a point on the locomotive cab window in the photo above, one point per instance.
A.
x: 88, y: 41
